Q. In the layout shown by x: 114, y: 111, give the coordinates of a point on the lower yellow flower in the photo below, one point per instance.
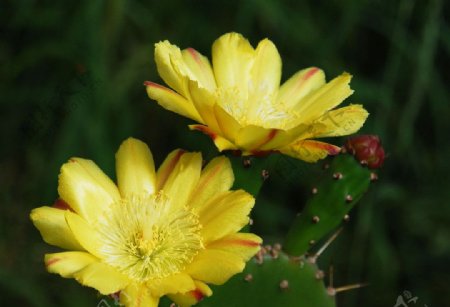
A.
x: 166, y: 232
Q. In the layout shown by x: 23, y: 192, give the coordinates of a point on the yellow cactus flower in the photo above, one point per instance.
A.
x: 240, y: 104
x: 169, y: 232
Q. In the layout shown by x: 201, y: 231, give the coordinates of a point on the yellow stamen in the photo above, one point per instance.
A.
x: 145, y: 239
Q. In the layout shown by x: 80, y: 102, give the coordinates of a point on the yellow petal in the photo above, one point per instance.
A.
x: 192, y: 297
x: 220, y: 142
x: 177, y: 283
x: 246, y: 245
x: 172, y: 101
x: 215, y: 266
x: 215, y: 178
x: 306, y: 131
x: 232, y: 57
x: 342, y: 121
x: 135, y: 168
x: 138, y: 295
x: 200, y: 68
x: 102, y: 277
x: 227, y: 124
x: 87, y: 190
x: 309, y: 150
x: 225, y: 214
x: 167, y: 167
x: 323, y: 99
x: 68, y: 263
x: 276, y: 139
x: 254, y: 139
x: 265, y: 78
x: 299, y: 85
x: 181, y: 175
x: 204, y: 102
x: 266, y: 70
x: 52, y: 225
x: 84, y: 233
x: 170, y: 66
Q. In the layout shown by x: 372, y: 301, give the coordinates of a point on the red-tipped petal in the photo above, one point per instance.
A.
x: 309, y: 150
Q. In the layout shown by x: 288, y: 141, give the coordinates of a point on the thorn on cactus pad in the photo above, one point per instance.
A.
x: 312, y: 242
x: 326, y: 166
x: 259, y: 257
x: 250, y: 222
x: 284, y: 284
x: 346, y: 218
x: 325, y: 246
x: 348, y: 198
x: 246, y: 162
x: 320, y: 275
x: 315, y: 219
x: 311, y: 258
x: 349, y: 287
x: 331, y: 291
x: 373, y: 177
x: 263, y: 250
x: 277, y: 246
x: 248, y: 277
x: 337, y: 176
x: 314, y: 191
x: 264, y: 174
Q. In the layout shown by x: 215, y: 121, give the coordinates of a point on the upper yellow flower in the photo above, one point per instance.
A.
x: 156, y: 233
x: 241, y: 105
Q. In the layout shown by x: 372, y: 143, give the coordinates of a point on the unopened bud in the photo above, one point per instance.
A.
x: 367, y: 149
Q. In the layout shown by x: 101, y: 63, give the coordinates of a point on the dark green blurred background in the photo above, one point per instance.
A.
x: 71, y: 79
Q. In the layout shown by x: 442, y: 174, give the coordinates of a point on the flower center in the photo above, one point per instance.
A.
x: 256, y: 109
x: 145, y: 238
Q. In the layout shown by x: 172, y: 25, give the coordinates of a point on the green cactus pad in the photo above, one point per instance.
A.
x: 344, y: 183
x: 250, y: 172
x: 275, y: 280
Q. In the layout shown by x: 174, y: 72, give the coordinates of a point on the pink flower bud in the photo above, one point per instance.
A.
x: 367, y: 149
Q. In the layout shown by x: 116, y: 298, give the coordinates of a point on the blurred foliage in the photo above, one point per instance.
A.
x: 71, y: 82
